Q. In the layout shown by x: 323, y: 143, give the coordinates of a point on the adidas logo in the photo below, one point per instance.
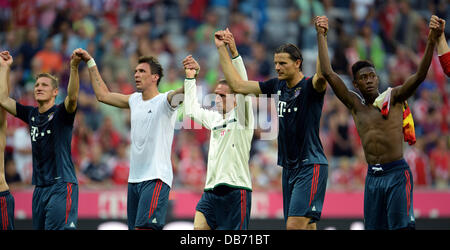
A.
x: 72, y: 225
x: 150, y: 111
x: 154, y: 221
x: 313, y: 208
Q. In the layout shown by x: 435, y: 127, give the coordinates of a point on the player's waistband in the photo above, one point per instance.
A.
x: 376, y: 169
x: 4, y: 193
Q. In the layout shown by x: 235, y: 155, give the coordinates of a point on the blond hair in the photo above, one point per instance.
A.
x: 50, y: 76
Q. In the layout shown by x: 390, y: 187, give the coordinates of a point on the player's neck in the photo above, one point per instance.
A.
x: 45, y: 105
x: 295, y: 79
x: 149, y: 93
x: 228, y: 114
x: 370, y: 99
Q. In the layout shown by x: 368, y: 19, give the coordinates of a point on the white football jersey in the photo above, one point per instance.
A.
x: 152, y: 129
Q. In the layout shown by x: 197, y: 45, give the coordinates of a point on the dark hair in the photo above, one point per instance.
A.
x: 51, y: 77
x: 293, y: 51
x: 223, y: 81
x: 359, y: 65
x: 155, y: 66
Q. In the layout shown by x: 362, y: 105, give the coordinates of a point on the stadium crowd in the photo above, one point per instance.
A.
x: 41, y: 35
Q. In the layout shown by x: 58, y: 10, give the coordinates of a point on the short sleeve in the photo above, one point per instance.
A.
x: 23, y: 112
x: 66, y: 117
x: 269, y: 87
x: 167, y: 105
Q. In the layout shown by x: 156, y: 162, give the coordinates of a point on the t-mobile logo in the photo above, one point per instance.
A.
x: 281, y: 108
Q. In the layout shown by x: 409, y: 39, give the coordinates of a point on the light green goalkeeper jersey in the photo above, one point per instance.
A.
x: 230, y: 141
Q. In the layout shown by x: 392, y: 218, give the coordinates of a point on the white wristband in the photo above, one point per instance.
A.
x: 91, y: 63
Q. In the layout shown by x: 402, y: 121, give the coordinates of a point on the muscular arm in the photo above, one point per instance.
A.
x: 333, y: 79
x: 442, y: 46
x: 319, y: 82
x: 73, y: 88
x: 102, y: 92
x: 176, y: 97
x: 2, y: 110
x: 444, y: 54
x: 100, y: 89
x: 403, y: 92
x: 236, y: 83
x: 6, y: 102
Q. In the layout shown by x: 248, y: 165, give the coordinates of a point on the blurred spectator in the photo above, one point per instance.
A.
x: 341, y: 177
x: 23, y: 160
x: 50, y: 60
x: 370, y: 47
x: 121, y: 164
x: 387, y: 17
x: 405, y: 26
x: 360, y: 9
x: 307, y: 10
x: 172, y: 81
x: 11, y: 175
x: 242, y: 32
x: 419, y: 163
x: 402, y: 65
x: 192, y: 165
x: 96, y: 168
x: 116, y: 60
x: 359, y: 170
x: 339, y: 130
x: 29, y: 48
x: 108, y: 137
x: 440, y: 163
x: 264, y: 65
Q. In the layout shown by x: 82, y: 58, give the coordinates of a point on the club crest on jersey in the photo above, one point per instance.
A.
x: 297, y: 91
x: 50, y: 116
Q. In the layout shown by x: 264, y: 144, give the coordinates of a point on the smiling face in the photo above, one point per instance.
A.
x: 44, y: 89
x: 286, y: 67
x: 366, y: 81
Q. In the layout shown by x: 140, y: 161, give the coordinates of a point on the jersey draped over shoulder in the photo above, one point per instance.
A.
x: 299, y: 111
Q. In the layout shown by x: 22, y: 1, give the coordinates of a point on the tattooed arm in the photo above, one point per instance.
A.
x: 101, y: 90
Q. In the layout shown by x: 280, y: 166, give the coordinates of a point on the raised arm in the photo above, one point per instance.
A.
x: 319, y: 82
x: 176, y: 97
x: 73, y: 87
x: 237, y: 61
x: 2, y: 110
x: 442, y: 46
x: 444, y: 52
x: 101, y: 90
x: 403, y: 92
x: 331, y: 77
x: 6, y: 102
x: 192, y: 107
x: 236, y: 83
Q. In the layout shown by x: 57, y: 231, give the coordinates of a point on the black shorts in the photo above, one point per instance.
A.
x: 226, y: 208
x: 6, y: 211
x: 147, y: 204
x: 55, y: 207
x: 388, y: 197
x: 304, y: 191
